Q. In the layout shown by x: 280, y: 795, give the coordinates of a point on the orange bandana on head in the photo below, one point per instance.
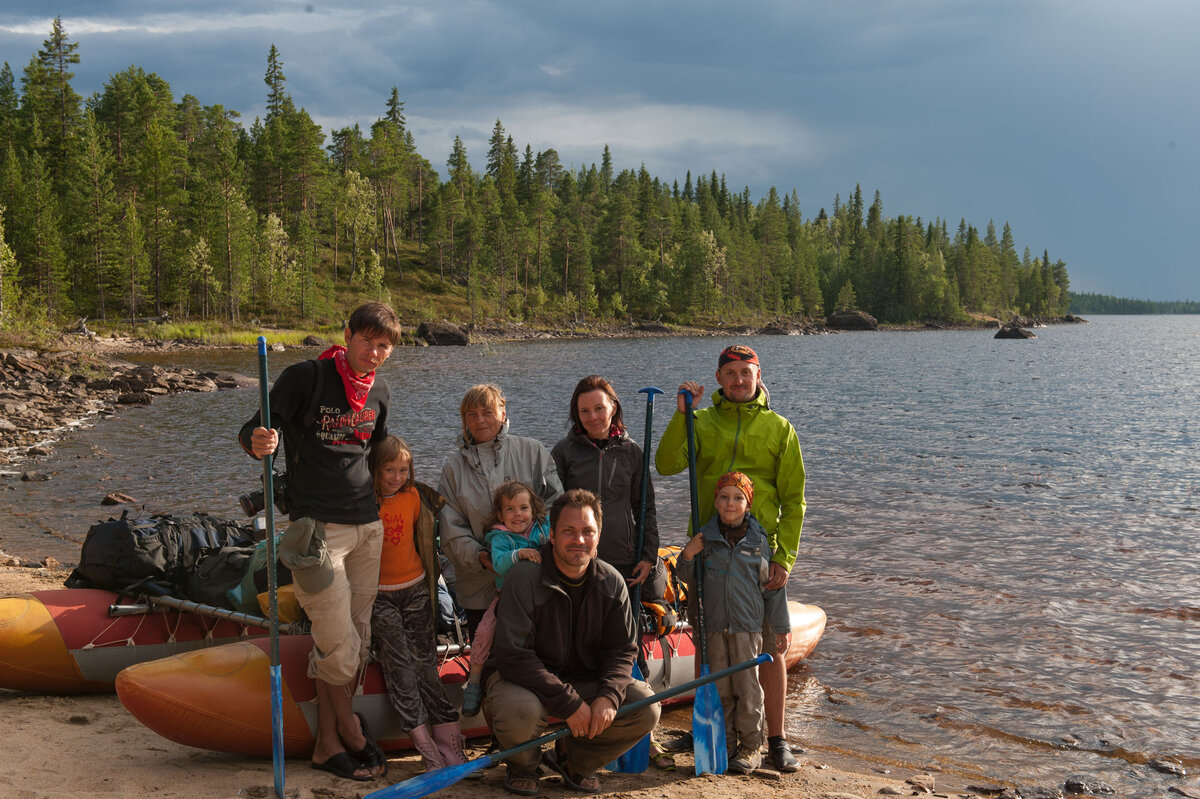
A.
x: 738, y: 352
x: 738, y: 480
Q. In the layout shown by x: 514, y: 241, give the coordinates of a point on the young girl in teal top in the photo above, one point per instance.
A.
x: 517, y: 528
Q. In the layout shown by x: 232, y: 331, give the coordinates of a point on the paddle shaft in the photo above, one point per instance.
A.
x: 425, y: 784
x: 269, y: 503
x: 637, y: 758
x: 708, y: 717
x: 649, y: 391
x: 272, y: 579
x: 200, y: 609
x: 694, y: 492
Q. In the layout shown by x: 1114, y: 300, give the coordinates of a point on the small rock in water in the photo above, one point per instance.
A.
x: 888, y: 790
x: 50, y: 562
x: 117, y: 498
x: 34, y: 477
x: 1168, y: 767
x: 987, y: 789
x: 39, y: 452
x: 9, y: 560
x: 276, y: 347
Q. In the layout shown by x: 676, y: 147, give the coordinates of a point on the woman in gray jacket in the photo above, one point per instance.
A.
x: 488, y: 456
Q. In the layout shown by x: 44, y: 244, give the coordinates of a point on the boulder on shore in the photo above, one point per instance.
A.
x: 443, y: 334
x: 851, y: 320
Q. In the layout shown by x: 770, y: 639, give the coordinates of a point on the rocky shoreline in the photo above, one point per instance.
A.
x: 42, y: 395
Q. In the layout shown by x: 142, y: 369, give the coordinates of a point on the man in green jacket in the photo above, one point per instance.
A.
x: 740, y: 433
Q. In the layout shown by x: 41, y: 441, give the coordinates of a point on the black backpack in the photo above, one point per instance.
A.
x: 120, y: 552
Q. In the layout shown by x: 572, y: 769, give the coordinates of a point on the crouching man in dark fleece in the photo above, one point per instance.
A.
x: 565, y: 646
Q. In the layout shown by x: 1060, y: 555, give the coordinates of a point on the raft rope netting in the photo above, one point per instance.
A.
x: 172, y: 628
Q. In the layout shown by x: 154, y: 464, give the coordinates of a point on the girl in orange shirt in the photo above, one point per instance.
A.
x: 402, y: 620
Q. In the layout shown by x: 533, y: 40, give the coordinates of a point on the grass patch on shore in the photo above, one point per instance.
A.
x: 221, y: 334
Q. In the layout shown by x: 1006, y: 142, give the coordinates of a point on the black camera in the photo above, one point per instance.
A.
x: 254, y: 502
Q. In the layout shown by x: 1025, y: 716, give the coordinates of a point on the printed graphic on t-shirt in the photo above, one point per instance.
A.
x: 345, y: 427
x: 396, y: 528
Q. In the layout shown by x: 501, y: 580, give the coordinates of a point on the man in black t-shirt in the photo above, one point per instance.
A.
x: 331, y: 411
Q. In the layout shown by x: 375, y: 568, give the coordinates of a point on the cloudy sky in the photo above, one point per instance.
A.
x: 1076, y: 121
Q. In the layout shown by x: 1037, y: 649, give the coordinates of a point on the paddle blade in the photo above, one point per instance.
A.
x: 708, y: 729
x: 636, y: 759
x: 277, y: 726
x: 431, y: 781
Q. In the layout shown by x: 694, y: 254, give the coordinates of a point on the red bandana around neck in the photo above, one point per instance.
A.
x: 357, y: 387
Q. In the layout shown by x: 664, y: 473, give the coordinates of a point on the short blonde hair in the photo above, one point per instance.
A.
x: 484, y: 395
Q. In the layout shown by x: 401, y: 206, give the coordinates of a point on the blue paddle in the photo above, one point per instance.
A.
x: 708, y: 717
x: 637, y: 758
x: 432, y: 781
x: 272, y: 588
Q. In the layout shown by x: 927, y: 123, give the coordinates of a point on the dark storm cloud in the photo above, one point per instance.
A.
x: 1071, y: 120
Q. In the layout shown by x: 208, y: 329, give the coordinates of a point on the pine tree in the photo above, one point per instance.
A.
x: 50, y: 98
x: 8, y: 275
x: 93, y: 200
x: 135, y: 265
x: 161, y: 160
x: 277, y: 96
x: 43, y: 259
x: 9, y: 108
x: 395, y: 110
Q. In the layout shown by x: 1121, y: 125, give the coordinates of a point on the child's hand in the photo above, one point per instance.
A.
x: 693, y: 547
x: 485, y: 561
x: 529, y: 554
x: 782, y: 640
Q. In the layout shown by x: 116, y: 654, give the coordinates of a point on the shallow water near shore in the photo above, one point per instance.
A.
x: 1003, y: 533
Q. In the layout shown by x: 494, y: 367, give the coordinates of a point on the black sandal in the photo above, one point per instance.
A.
x: 371, y: 756
x: 341, y: 765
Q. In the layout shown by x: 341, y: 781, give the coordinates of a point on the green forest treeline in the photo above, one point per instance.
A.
x: 1107, y: 304
x: 133, y: 203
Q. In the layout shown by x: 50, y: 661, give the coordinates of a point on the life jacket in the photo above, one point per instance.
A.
x: 660, y: 595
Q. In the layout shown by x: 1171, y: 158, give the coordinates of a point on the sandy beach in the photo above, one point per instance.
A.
x: 56, y: 747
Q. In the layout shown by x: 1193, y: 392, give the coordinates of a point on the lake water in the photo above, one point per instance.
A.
x: 1003, y: 533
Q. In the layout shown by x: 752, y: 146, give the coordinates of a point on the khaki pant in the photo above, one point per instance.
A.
x: 341, y: 613
x: 741, y: 693
x: 516, y: 715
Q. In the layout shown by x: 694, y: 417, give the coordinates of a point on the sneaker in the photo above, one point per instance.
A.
x: 781, y: 756
x: 745, y: 760
x: 471, y: 699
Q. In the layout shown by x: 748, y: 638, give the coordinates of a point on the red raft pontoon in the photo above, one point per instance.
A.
x: 66, y: 641
x: 219, y: 698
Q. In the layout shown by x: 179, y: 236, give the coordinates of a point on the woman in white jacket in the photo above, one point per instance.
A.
x: 488, y: 456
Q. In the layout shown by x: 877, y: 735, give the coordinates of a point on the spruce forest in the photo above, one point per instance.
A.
x: 133, y: 203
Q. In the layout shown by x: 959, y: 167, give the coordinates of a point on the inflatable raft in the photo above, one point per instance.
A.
x: 66, y: 642
x: 219, y: 698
